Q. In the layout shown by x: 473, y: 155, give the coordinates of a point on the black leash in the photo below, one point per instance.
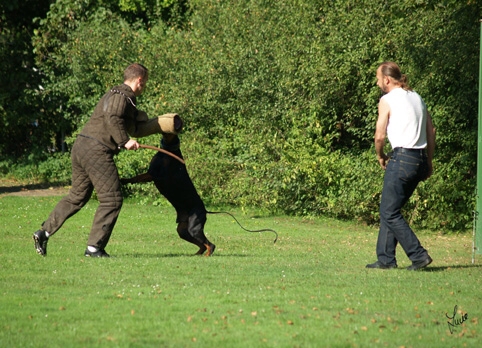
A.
x: 210, y: 212
x: 262, y: 230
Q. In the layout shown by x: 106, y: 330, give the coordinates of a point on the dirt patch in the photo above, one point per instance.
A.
x: 13, y: 188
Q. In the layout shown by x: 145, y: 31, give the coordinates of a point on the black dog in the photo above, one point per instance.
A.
x: 172, y: 180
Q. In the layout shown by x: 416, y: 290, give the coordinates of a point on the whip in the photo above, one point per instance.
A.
x: 261, y: 230
x: 163, y: 151
x: 210, y: 212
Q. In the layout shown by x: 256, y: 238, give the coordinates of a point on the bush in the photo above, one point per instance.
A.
x: 279, y: 97
x: 56, y: 169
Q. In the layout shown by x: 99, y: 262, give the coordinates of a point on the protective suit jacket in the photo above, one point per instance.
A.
x: 108, y: 123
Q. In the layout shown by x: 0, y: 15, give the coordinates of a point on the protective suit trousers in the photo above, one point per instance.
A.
x: 93, y: 167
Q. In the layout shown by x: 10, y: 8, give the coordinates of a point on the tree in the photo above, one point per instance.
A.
x: 279, y: 97
x: 19, y: 108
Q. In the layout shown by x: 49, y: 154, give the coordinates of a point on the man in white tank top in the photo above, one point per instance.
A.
x: 404, y: 119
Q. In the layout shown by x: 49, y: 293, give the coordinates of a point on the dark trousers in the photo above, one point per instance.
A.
x: 92, y: 167
x: 404, y: 171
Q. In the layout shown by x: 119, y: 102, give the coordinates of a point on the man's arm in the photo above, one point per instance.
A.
x: 381, y: 132
x: 115, y: 107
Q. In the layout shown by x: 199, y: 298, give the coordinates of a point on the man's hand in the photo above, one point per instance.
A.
x: 383, y: 160
x: 132, y: 145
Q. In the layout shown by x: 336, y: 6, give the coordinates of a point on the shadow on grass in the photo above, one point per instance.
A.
x: 11, y: 189
x: 432, y: 269
x: 172, y: 255
x: 444, y: 268
x: 7, y: 189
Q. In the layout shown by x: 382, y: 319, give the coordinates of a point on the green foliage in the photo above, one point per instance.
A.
x: 457, y: 202
x: 18, y: 109
x: 278, y: 97
x: 80, y: 57
x: 55, y: 169
x: 285, y: 101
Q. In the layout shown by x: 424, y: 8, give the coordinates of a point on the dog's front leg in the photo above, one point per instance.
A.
x: 141, y: 178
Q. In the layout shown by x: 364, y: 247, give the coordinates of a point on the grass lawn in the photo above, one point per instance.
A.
x: 310, y: 289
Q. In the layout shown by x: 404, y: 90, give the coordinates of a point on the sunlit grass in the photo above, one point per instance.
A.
x: 310, y: 289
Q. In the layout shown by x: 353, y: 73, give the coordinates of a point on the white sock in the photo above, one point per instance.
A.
x: 92, y: 249
x: 47, y: 234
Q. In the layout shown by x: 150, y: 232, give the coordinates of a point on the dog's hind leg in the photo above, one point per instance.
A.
x: 196, y: 222
x: 184, y: 234
x: 210, y: 248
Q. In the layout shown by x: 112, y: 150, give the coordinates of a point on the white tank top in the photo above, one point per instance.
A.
x: 407, y: 124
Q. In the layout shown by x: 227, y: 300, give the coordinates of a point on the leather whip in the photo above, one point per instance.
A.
x: 163, y: 151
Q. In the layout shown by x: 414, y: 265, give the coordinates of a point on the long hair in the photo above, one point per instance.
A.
x: 392, y: 70
x: 134, y: 71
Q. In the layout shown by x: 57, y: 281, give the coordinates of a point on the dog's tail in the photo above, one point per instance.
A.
x: 262, y: 230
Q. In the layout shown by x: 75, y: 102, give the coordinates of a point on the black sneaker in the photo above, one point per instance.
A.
x: 420, y: 264
x: 380, y: 265
x: 98, y: 253
x: 41, y: 240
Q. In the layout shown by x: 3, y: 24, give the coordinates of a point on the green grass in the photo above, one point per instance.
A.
x: 310, y: 289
